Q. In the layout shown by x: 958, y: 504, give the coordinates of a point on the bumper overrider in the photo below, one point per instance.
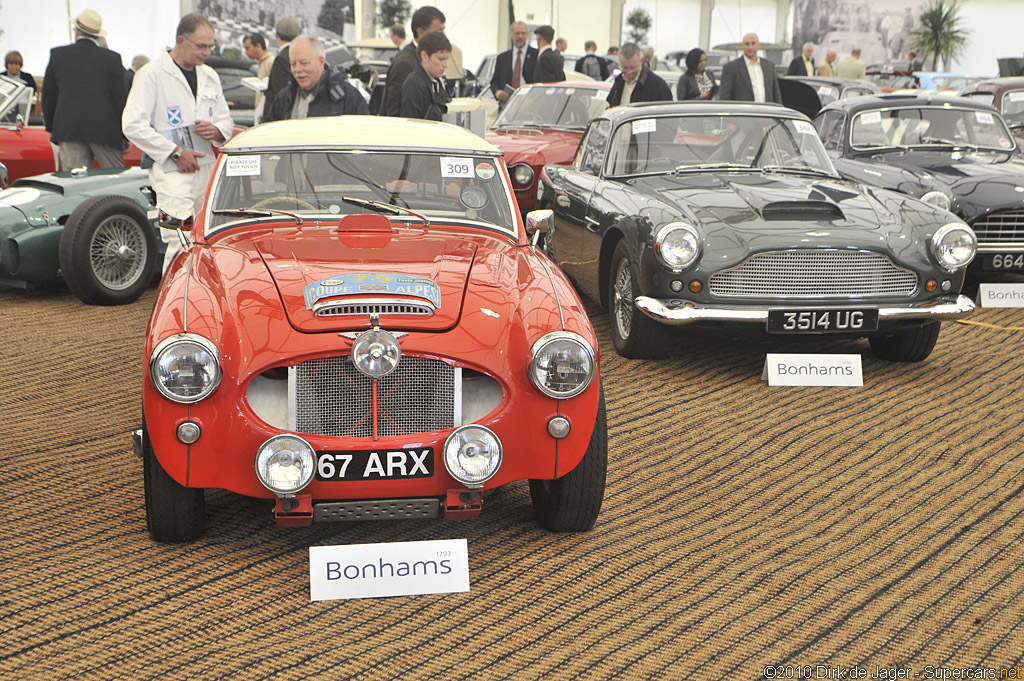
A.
x: 677, y: 312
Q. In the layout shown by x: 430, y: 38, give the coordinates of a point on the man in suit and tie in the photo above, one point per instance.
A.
x: 514, y: 67
x: 83, y: 98
x: 426, y: 18
x: 750, y: 78
x: 802, y: 64
x: 549, y: 61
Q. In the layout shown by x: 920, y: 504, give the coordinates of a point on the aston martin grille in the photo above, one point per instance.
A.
x: 814, y: 273
x: 1004, y: 226
x: 331, y: 397
x: 365, y: 308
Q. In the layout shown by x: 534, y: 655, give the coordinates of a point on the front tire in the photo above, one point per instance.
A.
x: 635, y: 334
x: 108, y: 251
x: 173, y: 513
x: 571, y: 503
x: 906, y: 346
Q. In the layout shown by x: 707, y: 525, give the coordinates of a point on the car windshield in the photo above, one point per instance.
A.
x: 12, y: 102
x: 893, y: 80
x: 1013, y: 107
x: 699, y: 142
x: 827, y: 94
x: 953, y: 82
x: 314, y: 184
x: 929, y: 126
x: 568, y: 106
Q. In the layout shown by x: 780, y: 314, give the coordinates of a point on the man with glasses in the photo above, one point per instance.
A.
x: 175, y: 113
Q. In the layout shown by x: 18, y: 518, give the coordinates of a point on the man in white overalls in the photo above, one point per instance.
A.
x: 175, y: 113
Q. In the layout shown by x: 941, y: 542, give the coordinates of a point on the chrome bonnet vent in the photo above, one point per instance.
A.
x: 372, y: 306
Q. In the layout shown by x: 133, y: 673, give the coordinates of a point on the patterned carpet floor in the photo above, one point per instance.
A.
x: 744, y: 526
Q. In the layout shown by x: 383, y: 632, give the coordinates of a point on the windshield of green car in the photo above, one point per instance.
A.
x: 314, y: 185
x: 702, y: 142
x: 933, y: 126
x: 1013, y: 107
x: 569, y: 106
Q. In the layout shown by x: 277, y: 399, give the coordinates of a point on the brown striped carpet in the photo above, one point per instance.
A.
x: 743, y: 526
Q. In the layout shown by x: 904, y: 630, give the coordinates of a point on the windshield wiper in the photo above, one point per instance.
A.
x: 687, y: 168
x: 887, y: 147
x: 256, y: 213
x: 796, y: 169
x: 389, y: 208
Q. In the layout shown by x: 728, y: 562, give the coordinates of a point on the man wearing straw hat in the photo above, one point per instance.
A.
x: 84, y: 91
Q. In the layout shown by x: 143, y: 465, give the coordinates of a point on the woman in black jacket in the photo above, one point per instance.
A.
x: 423, y: 92
x: 697, y: 82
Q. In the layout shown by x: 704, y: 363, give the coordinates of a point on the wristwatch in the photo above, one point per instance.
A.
x: 176, y: 154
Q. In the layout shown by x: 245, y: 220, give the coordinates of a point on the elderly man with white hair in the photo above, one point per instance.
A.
x: 802, y: 64
x: 316, y: 89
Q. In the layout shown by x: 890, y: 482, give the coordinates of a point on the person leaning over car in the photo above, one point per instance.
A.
x: 426, y: 18
x: 636, y: 83
x: 423, y: 92
x: 317, y: 90
x: 175, y: 113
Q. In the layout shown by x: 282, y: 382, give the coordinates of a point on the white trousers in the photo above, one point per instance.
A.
x: 180, y: 195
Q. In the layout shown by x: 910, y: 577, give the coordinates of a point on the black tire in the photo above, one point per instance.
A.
x: 173, y: 513
x: 108, y: 251
x: 906, y: 346
x: 571, y: 503
x: 635, y: 334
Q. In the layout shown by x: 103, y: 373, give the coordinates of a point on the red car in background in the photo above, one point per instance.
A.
x: 1007, y: 96
x: 24, y: 143
x: 543, y: 123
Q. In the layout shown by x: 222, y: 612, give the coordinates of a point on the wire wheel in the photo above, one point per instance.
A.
x: 118, y: 252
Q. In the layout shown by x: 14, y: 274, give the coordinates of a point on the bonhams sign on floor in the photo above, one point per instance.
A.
x: 817, y: 369
x: 394, y: 569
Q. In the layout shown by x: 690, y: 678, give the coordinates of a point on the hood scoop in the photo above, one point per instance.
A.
x: 811, y: 211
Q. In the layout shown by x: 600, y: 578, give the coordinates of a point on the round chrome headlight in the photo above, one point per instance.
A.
x: 522, y: 175
x: 937, y: 199
x: 285, y: 464
x: 472, y: 455
x: 677, y: 245
x: 185, y: 368
x: 375, y: 353
x: 954, y: 245
x: 562, y: 364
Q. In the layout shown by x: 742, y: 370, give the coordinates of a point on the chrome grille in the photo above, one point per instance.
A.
x: 814, y: 274
x: 365, y: 307
x: 330, y: 397
x: 1004, y: 226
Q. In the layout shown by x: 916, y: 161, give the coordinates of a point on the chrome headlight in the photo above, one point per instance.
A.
x: 562, y: 364
x: 937, y: 199
x: 284, y: 464
x: 185, y: 368
x: 954, y: 245
x: 677, y: 245
x: 522, y: 175
x: 375, y: 353
x: 472, y: 455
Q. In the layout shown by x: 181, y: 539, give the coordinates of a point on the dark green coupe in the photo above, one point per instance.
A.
x: 718, y: 213
x: 95, y: 229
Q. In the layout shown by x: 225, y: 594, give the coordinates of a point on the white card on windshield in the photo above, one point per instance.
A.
x: 646, y: 125
x: 243, y: 166
x: 805, y: 127
x: 454, y: 166
x: 871, y: 117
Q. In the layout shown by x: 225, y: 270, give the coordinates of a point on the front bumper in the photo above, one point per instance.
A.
x: 687, y: 312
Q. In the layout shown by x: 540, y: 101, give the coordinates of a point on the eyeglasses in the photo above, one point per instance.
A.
x: 201, y: 46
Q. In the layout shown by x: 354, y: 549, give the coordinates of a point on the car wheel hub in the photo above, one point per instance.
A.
x: 117, y: 252
x: 623, y: 299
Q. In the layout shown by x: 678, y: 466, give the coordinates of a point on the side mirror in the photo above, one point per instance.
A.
x: 539, y: 222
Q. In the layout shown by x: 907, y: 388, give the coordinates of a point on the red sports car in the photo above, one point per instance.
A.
x: 24, y: 143
x: 359, y: 327
x: 542, y: 124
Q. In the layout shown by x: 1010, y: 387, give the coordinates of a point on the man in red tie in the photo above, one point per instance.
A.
x: 514, y: 67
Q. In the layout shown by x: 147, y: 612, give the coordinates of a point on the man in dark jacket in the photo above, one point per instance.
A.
x: 505, y: 64
x: 592, y: 65
x: 803, y: 64
x: 83, y: 98
x: 316, y: 90
x: 750, y: 78
x: 280, y: 76
x: 636, y: 82
x: 426, y: 18
x: 549, y: 62
x: 423, y: 92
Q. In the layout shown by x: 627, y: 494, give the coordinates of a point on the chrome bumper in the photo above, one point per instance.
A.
x: 947, y: 308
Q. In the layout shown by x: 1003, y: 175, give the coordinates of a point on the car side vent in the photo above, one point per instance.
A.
x: 802, y: 210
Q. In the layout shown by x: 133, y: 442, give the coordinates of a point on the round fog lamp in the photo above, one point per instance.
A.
x: 558, y: 427
x: 375, y: 353
x: 284, y: 464
x: 188, y: 433
x: 472, y: 455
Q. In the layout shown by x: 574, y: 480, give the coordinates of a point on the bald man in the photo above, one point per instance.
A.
x: 750, y: 78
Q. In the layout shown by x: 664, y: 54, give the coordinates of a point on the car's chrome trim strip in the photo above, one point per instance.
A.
x: 554, y: 291
x: 944, y: 308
